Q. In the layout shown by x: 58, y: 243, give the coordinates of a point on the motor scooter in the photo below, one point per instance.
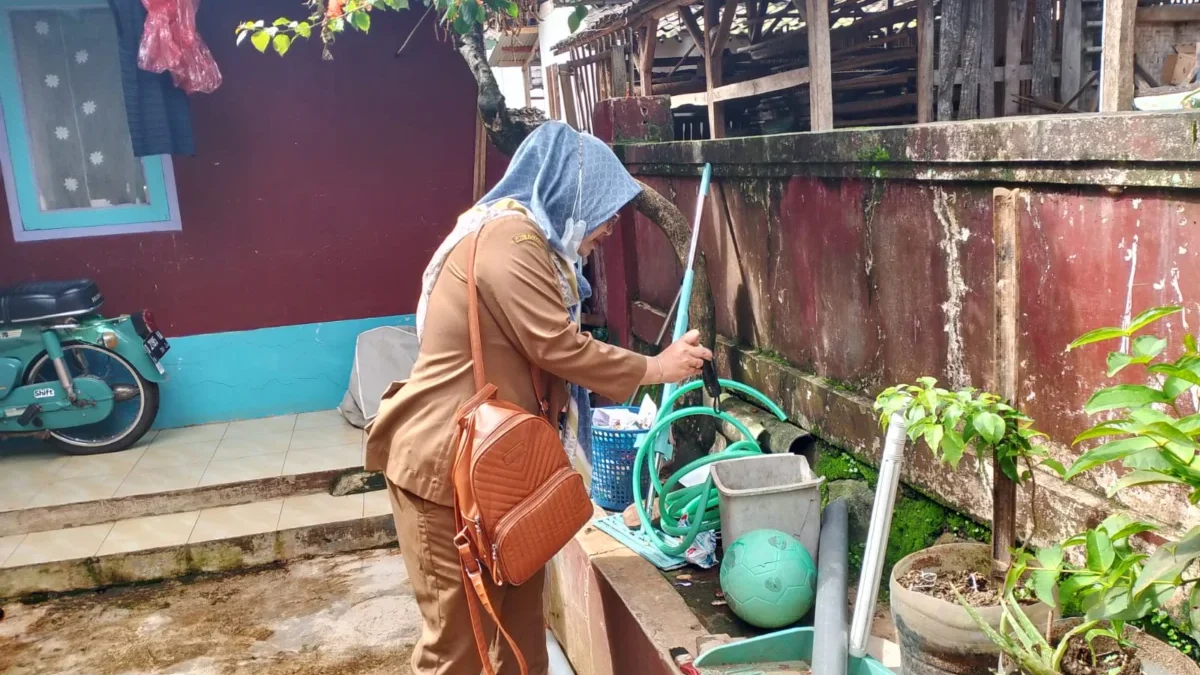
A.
x: 67, y: 373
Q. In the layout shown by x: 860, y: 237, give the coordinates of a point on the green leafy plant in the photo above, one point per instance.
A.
x: 1154, y: 440
x: 951, y: 421
x: 1150, y: 437
x: 329, y: 18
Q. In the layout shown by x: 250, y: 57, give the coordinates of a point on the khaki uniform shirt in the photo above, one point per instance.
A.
x: 523, y: 320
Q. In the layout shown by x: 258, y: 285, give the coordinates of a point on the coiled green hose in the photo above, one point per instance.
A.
x: 698, y: 502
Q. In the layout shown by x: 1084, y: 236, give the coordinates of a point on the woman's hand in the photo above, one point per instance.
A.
x: 676, y: 363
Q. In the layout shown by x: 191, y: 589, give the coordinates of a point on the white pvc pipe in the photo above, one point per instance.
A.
x: 877, y: 536
x: 559, y: 665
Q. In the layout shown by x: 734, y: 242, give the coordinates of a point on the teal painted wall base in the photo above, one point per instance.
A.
x: 261, y: 373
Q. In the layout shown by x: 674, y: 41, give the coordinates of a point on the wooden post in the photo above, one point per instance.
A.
x: 952, y: 37
x: 1006, y: 362
x: 1116, y: 57
x: 925, y: 28
x: 820, y: 86
x: 568, y: 96
x: 1071, y: 75
x: 1018, y: 11
x: 987, y: 62
x: 649, y: 44
x: 620, y: 84
x: 715, y: 60
x: 479, y: 183
x: 968, y: 100
x: 1043, y: 48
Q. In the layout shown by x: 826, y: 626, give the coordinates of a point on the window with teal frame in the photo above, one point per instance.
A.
x: 69, y: 169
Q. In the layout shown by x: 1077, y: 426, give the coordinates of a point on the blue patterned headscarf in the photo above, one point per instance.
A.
x: 571, y: 183
x: 544, y: 177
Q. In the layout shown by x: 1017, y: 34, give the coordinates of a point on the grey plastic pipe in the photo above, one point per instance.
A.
x: 829, y: 623
x: 877, y: 536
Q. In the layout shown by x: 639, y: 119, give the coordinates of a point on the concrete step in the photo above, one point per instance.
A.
x: 175, y: 471
x: 214, y: 539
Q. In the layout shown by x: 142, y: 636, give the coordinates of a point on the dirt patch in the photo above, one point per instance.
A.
x: 338, y: 614
x: 976, y: 587
x: 1110, y: 658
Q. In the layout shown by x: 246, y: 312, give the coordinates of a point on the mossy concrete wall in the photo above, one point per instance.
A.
x: 843, y: 262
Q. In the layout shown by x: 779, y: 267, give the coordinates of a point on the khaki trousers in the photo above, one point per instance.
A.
x: 447, y: 644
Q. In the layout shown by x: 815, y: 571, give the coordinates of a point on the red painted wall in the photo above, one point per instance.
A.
x: 318, y: 192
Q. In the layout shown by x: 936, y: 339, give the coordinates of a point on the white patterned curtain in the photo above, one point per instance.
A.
x: 75, y: 110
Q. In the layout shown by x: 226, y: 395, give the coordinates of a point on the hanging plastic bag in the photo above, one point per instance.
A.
x: 170, y: 43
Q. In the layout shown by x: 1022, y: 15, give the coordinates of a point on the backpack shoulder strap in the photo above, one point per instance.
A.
x: 477, y: 339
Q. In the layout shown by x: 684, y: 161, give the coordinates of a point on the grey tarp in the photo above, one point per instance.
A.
x: 381, y: 356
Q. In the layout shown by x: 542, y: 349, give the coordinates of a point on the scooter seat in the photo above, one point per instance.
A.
x: 40, y: 301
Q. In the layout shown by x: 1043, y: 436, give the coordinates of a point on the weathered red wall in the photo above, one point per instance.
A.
x: 318, y: 192
x: 869, y: 282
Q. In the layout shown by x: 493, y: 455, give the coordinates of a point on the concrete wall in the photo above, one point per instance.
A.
x: 849, y: 261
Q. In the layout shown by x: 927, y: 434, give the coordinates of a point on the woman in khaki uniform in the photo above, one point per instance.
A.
x: 559, y: 197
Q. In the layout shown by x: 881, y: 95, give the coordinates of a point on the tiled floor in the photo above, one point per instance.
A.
x: 139, y: 534
x: 34, y: 474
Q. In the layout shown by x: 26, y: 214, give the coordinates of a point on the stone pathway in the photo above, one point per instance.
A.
x: 330, y: 616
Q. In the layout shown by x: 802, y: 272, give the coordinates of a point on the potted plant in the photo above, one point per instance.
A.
x: 1147, y: 433
x: 936, y: 634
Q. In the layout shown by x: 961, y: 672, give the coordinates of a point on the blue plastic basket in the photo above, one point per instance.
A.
x: 612, y: 465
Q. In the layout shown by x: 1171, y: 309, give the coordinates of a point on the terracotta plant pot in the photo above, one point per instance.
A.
x: 939, y: 637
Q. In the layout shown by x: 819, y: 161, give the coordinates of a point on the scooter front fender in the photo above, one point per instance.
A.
x: 129, y: 343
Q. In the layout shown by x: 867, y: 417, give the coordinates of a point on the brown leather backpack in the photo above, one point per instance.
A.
x: 517, y: 500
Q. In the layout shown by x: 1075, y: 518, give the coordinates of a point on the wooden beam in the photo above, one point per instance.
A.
x: 1072, y: 49
x: 762, y: 85
x: 1116, y: 59
x: 820, y: 66
x: 951, y: 45
x: 1168, y: 14
x: 1043, y: 48
x: 1018, y: 12
x: 479, y: 180
x: 925, y: 42
x: 712, y: 71
x: 1006, y: 361
x: 649, y: 44
x: 987, y: 61
x: 692, y: 25
x: 568, y: 97
x: 968, y: 99
x: 721, y: 39
x: 620, y: 74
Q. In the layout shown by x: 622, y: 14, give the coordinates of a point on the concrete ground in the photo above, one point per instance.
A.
x: 339, y: 614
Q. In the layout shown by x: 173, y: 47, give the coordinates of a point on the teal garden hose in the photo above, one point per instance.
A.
x: 699, y: 503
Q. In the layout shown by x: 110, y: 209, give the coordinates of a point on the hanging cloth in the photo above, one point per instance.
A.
x: 170, y: 43
x: 159, y: 114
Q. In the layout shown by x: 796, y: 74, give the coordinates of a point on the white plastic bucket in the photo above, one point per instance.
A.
x: 778, y: 492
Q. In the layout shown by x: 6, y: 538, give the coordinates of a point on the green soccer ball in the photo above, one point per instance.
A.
x: 769, y: 579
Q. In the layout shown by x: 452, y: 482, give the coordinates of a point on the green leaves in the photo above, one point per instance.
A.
x: 577, y: 17
x: 1111, y: 451
x: 1043, y: 581
x: 1169, y: 561
x: 261, y: 40
x: 950, y: 421
x: 1139, y: 322
x: 990, y: 426
x: 1123, y: 396
x: 1100, y: 554
x: 361, y: 20
x: 281, y: 42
